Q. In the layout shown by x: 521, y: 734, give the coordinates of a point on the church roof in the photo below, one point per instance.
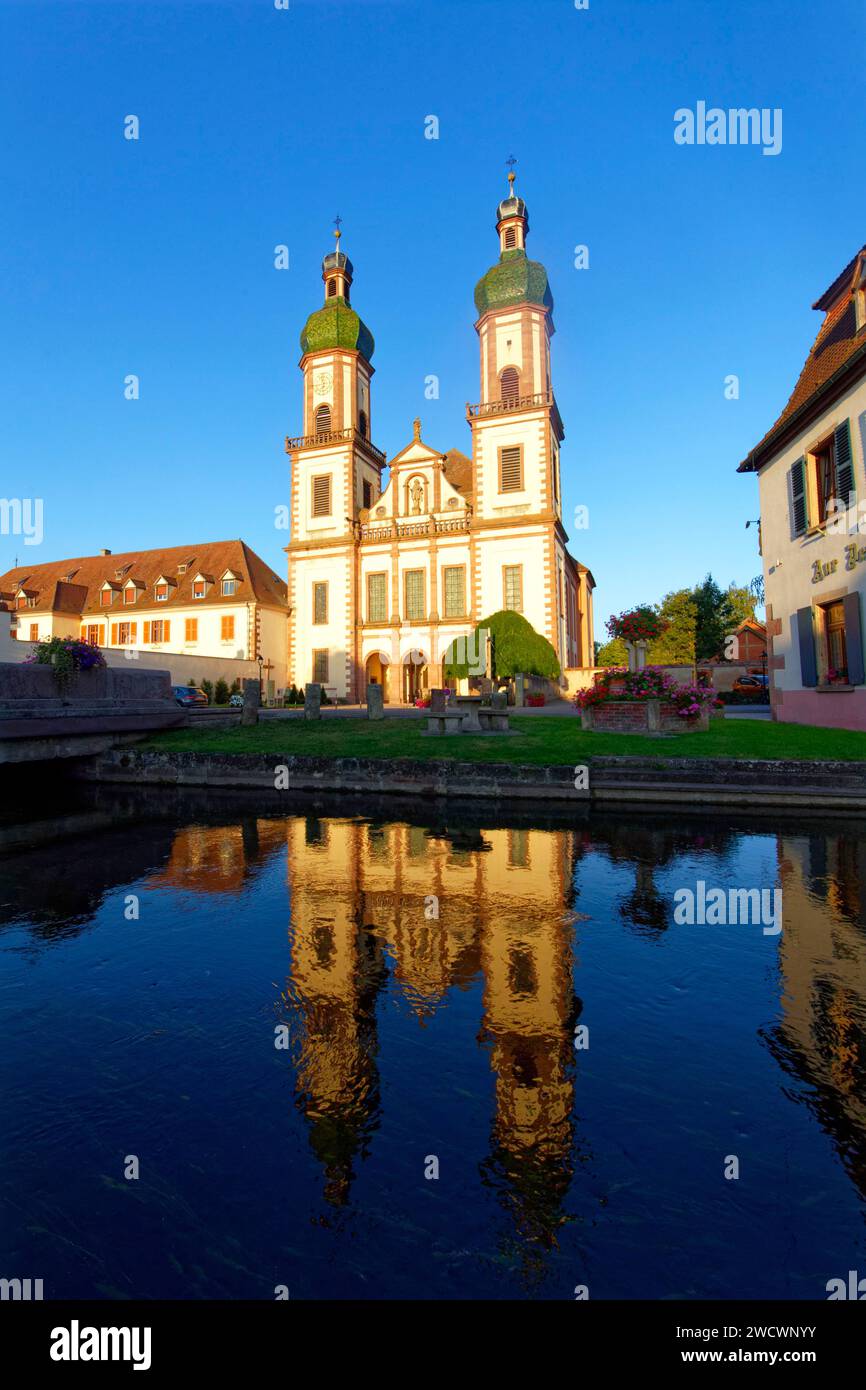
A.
x: 458, y: 471
x: 515, y: 279
x: 336, y: 325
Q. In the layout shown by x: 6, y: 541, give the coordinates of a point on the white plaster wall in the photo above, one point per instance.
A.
x: 788, y: 562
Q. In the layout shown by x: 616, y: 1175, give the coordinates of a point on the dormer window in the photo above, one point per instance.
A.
x: 199, y: 588
x: 130, y: 594
x: 106, y: 598
x: 160, y: 593
x: 229, y: 587
x: 860, y: 296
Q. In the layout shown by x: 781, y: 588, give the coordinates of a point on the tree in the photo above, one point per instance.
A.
x: 515, y: 647
x: 741, y: 603
x: 221, y: 692
x: 612, y: 653
x: 713, y: 620
x: 677, y: 642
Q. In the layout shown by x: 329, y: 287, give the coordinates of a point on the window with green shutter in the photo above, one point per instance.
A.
x: 377, y: 598
x: 414, y: 591
x: 799, y: 510
x: 845, y: 489
x: 454, y: 577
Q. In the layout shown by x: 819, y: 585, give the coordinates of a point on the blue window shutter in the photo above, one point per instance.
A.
x: 854, y: 639
x: 806, y: 634
x: 844, y: 463
x: 799, y: 508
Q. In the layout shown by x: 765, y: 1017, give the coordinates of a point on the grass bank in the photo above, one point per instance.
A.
x: 543, y: 740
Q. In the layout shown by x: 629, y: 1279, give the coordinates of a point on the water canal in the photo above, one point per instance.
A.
x: 362, y: 1053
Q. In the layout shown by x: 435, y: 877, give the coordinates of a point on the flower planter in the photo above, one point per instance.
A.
x: 652, y: 717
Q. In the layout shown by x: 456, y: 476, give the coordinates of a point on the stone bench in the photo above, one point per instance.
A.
x: 445, y: 722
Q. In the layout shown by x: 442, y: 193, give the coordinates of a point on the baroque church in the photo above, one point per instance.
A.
x: 384, y: 572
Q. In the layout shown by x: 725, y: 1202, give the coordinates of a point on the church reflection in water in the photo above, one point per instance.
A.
x: 425, y: 911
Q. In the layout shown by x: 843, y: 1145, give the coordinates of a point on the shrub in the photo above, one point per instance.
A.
x: 221, y: 692
x: 207, y: 687
x: 235, y: 687
x: 516, y: 647
x: 67, y: 656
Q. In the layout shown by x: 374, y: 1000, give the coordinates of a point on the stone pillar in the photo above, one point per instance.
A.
x: 375, y: 702
x: 312, y: 701
x: 252, y: 701
x: 518, y: 691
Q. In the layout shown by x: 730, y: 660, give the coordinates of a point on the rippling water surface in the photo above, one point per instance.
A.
x: 293, y: 1022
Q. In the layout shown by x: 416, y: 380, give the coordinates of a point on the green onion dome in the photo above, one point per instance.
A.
x: 514, y: 280
x: 336, y: 325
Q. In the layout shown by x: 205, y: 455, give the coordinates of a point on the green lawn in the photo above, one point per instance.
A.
x: 543, y: 739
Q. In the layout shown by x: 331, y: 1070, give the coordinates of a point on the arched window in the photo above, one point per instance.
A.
x: 362, y: 422
x: 323, y: 420
x: 510, y: 237
x: 509, y: 386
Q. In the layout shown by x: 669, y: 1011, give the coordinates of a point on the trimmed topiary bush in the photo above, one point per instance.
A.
x: 516, y: 649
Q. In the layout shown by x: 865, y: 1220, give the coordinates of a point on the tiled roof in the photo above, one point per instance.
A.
x: 458, y: 471
x: 837, y: 345
x: 257, y: 581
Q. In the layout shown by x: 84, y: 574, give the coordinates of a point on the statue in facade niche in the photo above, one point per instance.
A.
x: 416, y: 495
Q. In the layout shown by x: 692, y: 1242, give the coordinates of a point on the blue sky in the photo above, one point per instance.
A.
x: 257, y: 125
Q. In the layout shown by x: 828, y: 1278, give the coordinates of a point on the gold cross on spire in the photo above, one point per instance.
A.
x: 511, y: 161
x: 338, y: 222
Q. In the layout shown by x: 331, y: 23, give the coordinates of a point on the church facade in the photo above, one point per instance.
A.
x: 384, y: 572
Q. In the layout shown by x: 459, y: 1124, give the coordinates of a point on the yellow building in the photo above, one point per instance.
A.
x: 386, y: 571
x: 204, y: 612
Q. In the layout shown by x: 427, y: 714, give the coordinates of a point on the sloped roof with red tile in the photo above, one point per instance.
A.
x: 73, y: 586
x: 458, y: 471
x: 838, y: 348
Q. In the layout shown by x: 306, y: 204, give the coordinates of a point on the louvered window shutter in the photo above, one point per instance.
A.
x: 102, y: 634
x: 844, y: 464
x: 806, y: 635
x: 511, y: 470
x: 322, y: 495
x: 509, y: 386
x: 799, y: 510
x: 166, y: 629
x: 854, y: 639
x: 147, y: 632
x: 323, y: 420
x: 133, y: 632
x: 84, y: 634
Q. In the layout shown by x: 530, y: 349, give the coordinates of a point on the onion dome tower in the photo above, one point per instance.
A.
x: 514, y: 279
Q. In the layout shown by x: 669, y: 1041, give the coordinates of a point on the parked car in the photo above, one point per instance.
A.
x: 236, y: 701
x: 189, y: 696
x: 751, y: 685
